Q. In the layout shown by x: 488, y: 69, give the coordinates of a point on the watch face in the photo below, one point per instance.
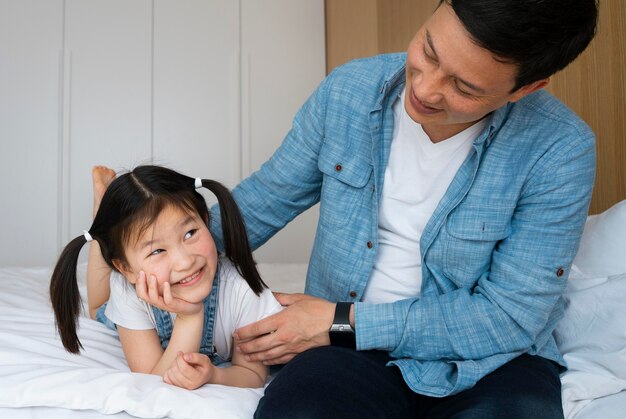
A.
x: 341, y: 328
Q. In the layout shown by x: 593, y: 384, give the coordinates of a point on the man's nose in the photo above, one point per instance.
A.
x: 430, y: 86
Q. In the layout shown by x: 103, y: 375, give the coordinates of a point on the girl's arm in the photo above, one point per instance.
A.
x: 143, y: 350
x: 192, y: 370
x: 242, y: 373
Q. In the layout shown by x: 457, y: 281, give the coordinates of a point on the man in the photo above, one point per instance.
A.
x: 453, y: 191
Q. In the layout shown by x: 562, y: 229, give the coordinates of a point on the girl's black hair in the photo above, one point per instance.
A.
x: 131, y: 204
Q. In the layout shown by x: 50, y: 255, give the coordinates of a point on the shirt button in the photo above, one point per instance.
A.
x: 370, y: 245
x: 352, y: 294
x: 338, y: 167
x: 560, y: 272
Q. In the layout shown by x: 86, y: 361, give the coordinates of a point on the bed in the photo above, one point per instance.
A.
x: 39, y: 379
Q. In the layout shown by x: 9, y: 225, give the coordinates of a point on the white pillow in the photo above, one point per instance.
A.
x: 602, y: 249
x: 592, y: 339
x: 592, y: 334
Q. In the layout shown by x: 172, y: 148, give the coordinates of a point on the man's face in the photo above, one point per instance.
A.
x: 450, y: 81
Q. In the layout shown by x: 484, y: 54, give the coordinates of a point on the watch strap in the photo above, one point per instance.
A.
x: 341, y: 332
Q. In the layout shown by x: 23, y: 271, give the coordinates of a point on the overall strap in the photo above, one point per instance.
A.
x: 165, y: 324
x: 210, y: 313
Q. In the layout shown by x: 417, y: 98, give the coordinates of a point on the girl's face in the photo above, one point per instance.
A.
x: 177, y: 248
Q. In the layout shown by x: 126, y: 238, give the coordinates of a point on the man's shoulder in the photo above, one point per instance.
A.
x: 547, y: 111
x: 370, y: 70
x: 359, y: 83
x: 383, y: 61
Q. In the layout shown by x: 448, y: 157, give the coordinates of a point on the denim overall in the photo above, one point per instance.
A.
x: 165, y: 326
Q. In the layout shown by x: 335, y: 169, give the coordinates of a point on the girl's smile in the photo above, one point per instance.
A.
x: 191, y: 280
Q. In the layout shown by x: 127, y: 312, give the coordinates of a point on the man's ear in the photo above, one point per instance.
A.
x: 125, y: 270
x: 528, y: 89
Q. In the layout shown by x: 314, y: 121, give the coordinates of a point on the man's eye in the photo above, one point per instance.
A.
x: 461, y: 91
x: 429, y: 57
x: 464, y: 93
x: 190, y: 234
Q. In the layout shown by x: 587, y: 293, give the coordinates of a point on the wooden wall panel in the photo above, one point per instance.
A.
x: 399, y: 21
x: 351, y: 30
x: 593, y: 86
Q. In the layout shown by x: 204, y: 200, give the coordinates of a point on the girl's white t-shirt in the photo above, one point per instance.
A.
x: 237, y: 306
x: 417, y: 176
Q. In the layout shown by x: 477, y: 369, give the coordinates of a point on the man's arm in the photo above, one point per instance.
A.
x: 287, y: 184
x: 509, y: 308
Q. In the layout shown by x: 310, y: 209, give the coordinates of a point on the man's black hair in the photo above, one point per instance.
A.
x: 540, y: 36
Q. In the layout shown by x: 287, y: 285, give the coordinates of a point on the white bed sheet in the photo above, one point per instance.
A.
x: 608, y: 407
x: 39, y: 379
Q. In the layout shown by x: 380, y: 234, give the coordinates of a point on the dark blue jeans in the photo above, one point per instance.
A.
x: 333, y: 382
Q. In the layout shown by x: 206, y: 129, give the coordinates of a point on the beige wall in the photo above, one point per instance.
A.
x: 593, y: 86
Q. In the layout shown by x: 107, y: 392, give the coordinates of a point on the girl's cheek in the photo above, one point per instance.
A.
x: 162, y: 278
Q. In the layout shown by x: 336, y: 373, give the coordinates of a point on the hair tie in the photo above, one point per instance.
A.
x: 198, y: 183
x: 87, y: 236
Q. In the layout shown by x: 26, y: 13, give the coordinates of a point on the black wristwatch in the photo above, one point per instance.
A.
x: 341, y: 333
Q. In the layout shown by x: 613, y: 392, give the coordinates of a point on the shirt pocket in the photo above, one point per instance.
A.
x: 472, y: 235
x: 345, y: 192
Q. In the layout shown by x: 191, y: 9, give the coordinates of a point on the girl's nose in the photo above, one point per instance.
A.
x: 184, y: 260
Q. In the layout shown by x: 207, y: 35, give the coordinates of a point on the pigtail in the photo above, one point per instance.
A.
x: 65, y: 296
x: 236, y: 245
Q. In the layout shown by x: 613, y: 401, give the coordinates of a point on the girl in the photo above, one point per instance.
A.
x: 175, y: 302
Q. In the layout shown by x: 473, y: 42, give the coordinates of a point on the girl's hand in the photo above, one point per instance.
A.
x: 190, y: 371
x: 148, y: 290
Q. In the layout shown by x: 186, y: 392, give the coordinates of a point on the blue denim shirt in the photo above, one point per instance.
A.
x: 496, y: 253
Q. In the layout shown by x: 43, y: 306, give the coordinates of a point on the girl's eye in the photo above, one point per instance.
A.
x: 156, y: 252
x: 190, y: 234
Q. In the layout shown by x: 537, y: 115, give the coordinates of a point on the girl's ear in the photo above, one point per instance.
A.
x: 125, y: 270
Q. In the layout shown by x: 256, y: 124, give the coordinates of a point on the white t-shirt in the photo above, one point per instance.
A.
x: 237, y: 306
x: 416, y: 178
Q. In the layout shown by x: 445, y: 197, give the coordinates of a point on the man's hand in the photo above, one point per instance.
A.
x: 303, y: 324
